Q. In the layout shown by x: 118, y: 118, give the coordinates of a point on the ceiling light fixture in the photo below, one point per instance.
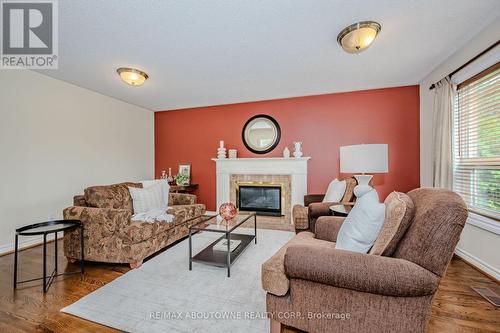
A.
x: 132, y: 76
x: 358, y: 36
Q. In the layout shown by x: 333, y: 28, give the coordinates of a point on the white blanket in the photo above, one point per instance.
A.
x: 154, y: 215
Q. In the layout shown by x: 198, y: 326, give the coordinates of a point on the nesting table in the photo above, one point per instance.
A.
x: 44, y: 229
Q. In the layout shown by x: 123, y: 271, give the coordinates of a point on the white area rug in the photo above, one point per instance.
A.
x: 164, y: 296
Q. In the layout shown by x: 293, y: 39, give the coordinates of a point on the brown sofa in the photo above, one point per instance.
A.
x: 314, y: 287
x: 109, y: 233
x: 304, y: 217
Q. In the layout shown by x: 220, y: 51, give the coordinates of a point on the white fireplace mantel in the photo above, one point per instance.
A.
x: 295, y: 167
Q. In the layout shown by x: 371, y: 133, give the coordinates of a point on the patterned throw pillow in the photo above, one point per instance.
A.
x: 399, y: 213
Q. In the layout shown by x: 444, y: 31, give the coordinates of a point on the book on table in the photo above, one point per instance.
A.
x: 222, y: 245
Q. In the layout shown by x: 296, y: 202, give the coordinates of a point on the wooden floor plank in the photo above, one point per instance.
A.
x: 456, y: 307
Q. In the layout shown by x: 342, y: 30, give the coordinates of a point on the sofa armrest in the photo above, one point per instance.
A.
x: 318, y: 209
x: 310, y: 198
x: 328, y: 227
x: 99, y: 221
x: 358, y: 271
x: 79, y: 200
x: 181, y: 199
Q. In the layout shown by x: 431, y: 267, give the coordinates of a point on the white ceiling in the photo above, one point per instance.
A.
x: 201, y: 53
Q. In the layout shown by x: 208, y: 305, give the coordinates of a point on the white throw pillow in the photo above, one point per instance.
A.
x: 361, y: 227
x: 335, y: 191
x: 147, y: 199
x: 165, y: 188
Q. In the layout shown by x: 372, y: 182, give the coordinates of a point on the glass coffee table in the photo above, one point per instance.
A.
x: 218, y: 256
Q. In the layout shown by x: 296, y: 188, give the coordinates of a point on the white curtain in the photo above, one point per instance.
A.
x: 442, y: 168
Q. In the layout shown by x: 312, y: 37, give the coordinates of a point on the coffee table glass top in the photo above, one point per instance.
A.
x: 216, y: 223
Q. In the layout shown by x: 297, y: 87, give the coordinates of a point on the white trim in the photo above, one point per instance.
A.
x: 479, y: 263
x: 26, y: 242
x: 211, y: 212
x: 484, y: 222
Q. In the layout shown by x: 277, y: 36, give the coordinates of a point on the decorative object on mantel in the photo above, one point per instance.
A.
x: 163, y: 174
x: 221, y: 151
x: 372, y: 158
x: 261, y: 134
x: 297, y: 149
x: 286, y: 152
x: 228, y: 211
x: 232, y: 153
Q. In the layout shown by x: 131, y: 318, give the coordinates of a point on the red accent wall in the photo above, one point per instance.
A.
x: 323, y: 123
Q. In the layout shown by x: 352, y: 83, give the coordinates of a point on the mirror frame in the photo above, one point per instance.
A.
x: 275, y: 143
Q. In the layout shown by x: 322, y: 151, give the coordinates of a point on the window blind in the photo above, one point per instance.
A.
x: 476, y: 142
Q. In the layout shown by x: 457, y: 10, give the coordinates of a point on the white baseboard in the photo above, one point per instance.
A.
x: 479, y: 263
x: 210, y: 212
x: 25, y: 242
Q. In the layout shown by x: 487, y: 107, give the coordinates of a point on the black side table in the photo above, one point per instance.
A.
x: 44, y: 229
x: 340, y: 210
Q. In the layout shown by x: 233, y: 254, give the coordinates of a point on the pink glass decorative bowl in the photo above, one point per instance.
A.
x: 228, y: 211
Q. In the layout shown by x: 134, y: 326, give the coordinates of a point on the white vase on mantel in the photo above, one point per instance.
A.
x: 286, y: 152
x: 297, y: 149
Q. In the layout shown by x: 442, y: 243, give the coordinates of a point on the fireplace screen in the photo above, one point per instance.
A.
x: 265, y: 200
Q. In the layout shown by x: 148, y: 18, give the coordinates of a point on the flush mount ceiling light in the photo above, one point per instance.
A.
x: 358, y: 36
x: 132, y: 76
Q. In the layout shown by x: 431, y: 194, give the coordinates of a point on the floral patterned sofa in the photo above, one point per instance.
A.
x: 111, y: 236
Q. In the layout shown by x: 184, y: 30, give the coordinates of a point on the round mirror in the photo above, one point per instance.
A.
x: 261, y: 134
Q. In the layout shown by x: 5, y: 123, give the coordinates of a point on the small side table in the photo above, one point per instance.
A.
x: 340, y: 210
x: 183, y: 188
x: 44, y: 229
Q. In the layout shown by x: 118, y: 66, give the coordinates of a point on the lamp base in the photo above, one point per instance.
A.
x: 363, y: 186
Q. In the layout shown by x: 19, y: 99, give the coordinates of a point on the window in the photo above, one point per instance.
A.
x: 476, y: 142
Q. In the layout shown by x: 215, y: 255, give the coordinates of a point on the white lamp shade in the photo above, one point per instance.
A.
x: 369, y: 158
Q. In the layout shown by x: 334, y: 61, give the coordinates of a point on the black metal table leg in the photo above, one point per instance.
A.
x: 55, y: 249
x: 228, y: 238
x: 190, y: 252
x: 255, y: 227
x: 81, y: 248
x: 44, y: 263
x: 15, y: 260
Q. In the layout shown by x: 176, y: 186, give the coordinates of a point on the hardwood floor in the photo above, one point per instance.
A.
x: 457, y: 308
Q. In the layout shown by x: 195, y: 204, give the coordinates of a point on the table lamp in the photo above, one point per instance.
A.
x: 361, y: 159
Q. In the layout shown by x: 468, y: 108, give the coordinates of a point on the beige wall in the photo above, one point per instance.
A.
x: 56, y: 139
x: 477, y: 245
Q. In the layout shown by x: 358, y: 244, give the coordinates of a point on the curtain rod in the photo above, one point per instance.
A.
x: 467, y: 63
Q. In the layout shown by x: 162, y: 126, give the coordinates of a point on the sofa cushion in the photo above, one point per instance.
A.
x: 300, y: 217
x: 139, y: 231
x: 399, y: 211
x: 273, y: 276
x: 110, y: 196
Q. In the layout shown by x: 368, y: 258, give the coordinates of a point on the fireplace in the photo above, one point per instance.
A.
x: 264, y: 199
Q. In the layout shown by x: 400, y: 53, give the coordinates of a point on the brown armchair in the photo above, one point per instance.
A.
x: 304, y: 217
x: 329, y: 290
